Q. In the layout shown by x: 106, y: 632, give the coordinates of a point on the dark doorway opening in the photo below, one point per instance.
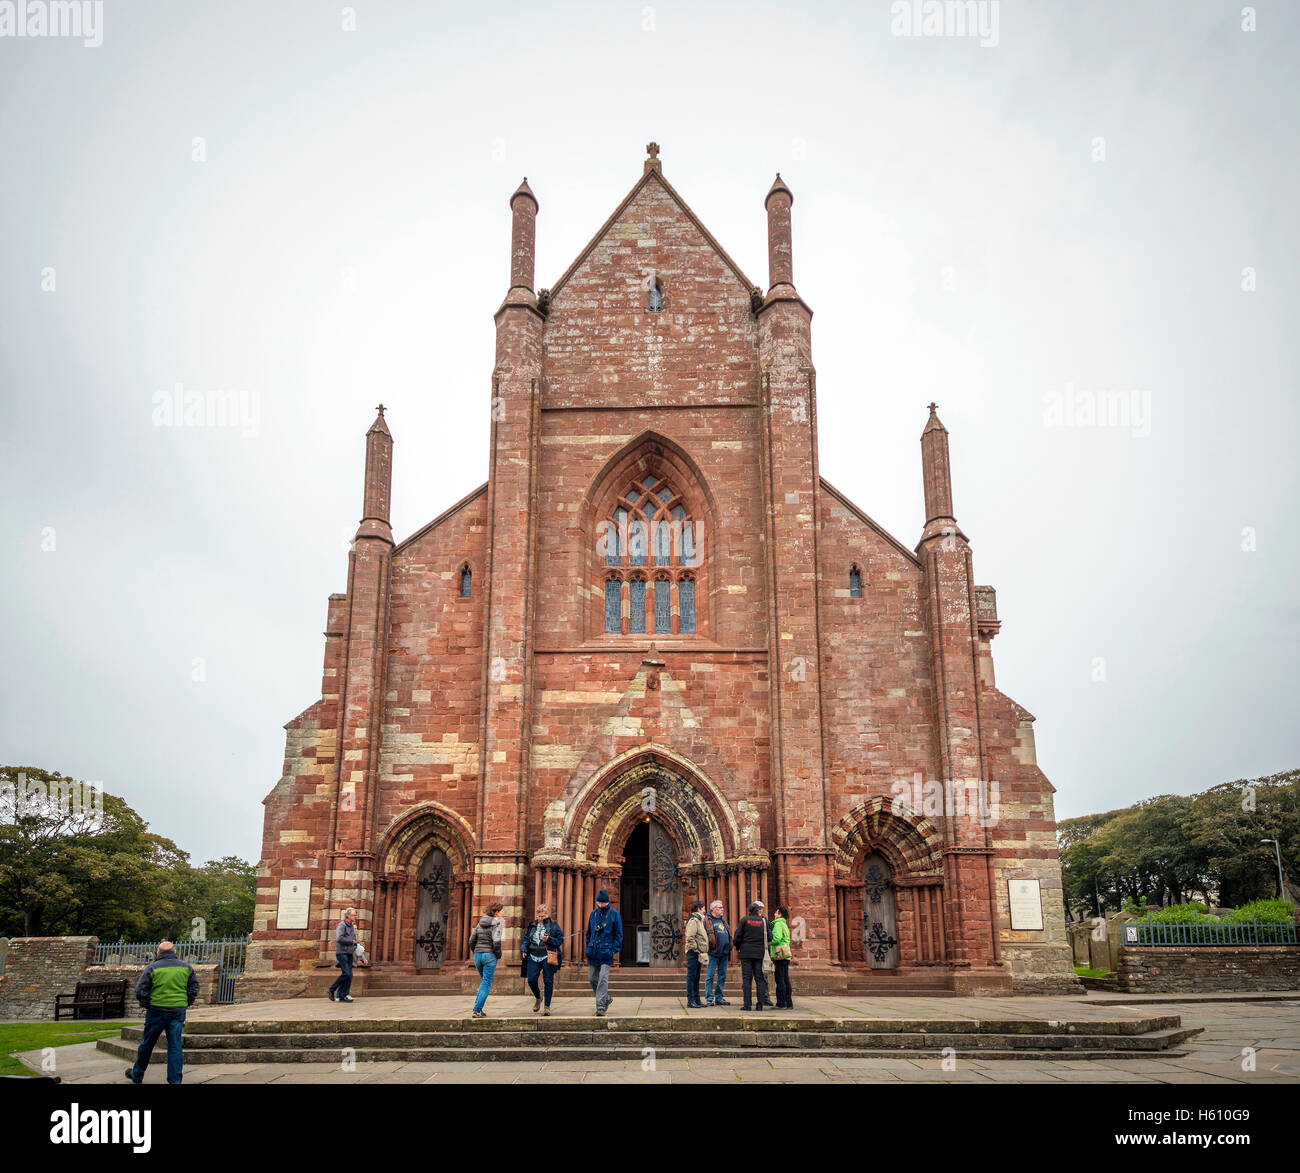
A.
x: 634, y: 891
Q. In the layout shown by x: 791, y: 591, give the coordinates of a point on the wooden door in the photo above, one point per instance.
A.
x: 433, y: 910
x: 665, y: 901
x: 879, y: 926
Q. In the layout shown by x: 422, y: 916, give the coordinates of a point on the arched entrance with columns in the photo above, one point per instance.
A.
x: 889, y: 886
x: 423, y: 883
x: 657, y: 833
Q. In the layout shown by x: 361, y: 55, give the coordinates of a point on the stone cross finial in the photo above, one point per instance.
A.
x: 652, y: 149
x: 933, y: 408
x: 380, y: 409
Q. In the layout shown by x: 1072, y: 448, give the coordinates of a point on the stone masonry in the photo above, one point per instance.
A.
x: 803, y: 703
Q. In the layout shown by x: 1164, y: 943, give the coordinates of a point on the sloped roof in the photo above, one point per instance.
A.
x: 861, y: 516
x: 652, y: 175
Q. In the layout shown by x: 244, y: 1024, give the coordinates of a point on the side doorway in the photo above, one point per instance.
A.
x: 879, y: 924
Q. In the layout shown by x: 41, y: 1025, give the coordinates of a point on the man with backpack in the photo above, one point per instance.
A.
x: 753, y: 937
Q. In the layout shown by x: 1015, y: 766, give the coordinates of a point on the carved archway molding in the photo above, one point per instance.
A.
x: 912, y: 846
x: 686, y: 801
x: 417, y: 831
x: 910, y: 842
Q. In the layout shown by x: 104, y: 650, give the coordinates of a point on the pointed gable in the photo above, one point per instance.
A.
x: 607, y: 344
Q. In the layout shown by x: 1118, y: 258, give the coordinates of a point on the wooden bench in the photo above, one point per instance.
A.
x: 93, y: 1000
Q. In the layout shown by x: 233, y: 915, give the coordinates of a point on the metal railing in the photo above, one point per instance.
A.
x: 1210, y: 933
x: 228, y: 954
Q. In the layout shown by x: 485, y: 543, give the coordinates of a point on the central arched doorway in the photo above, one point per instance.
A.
x: 650, y: 898
x: 657, y: 833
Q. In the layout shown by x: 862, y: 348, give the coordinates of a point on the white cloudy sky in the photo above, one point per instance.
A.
x: 346, y: 238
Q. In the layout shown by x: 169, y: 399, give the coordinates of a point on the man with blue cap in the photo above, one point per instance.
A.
x: 604, y: 940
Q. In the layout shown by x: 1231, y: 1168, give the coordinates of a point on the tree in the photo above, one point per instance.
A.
x: 75, y: 860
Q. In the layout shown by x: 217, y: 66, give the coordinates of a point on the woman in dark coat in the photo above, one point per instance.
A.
x: 543, y: 952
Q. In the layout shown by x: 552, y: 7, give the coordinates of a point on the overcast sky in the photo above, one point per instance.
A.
x: 1005, y: 228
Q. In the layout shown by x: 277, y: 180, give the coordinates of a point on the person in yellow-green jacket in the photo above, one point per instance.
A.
x: 781, y: 956
x: 166, y: 989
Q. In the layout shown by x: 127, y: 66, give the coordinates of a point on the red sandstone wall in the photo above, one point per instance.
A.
x: 435, y: 668
x: 878, y: 691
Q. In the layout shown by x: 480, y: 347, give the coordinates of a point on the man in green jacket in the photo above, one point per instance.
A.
x: 166, y: 989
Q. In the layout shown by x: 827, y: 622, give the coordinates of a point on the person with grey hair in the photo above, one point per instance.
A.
x: 715, y: 924
x: 345, y: 950
x: 753, y: 939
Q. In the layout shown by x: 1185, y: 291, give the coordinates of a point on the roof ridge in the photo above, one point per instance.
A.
x: 657, y: 174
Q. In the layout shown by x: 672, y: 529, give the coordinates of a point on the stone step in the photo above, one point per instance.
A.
x: 701, y: 1022
x: 126, y: 1050
x: 629, y: 1036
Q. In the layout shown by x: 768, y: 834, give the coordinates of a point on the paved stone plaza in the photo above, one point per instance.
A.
x: 1269, y: 1027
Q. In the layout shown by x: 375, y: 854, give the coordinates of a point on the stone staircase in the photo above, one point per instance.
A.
x: 639, y: 982
x: 702, y: 1036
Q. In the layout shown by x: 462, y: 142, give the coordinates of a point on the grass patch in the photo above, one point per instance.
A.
x: 35, y: 1036
x: 1084, y: 971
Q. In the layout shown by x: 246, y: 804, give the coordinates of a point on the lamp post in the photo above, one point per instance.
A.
x: 1281, y: 887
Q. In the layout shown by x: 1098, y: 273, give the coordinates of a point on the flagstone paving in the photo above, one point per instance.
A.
x: 1245, y: 1040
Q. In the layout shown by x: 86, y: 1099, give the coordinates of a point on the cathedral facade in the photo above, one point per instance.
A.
x: 657, y: 653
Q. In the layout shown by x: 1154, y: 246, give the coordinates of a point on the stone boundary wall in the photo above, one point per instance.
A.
x: 1203, y: 969
x: 39, y: 968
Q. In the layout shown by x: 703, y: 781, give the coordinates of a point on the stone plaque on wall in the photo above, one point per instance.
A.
x: 293, y: 909
x: 1026, y: 904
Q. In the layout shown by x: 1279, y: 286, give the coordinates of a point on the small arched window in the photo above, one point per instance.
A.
x: 656, y: 296
x: 855, y: 582
x: 465, y: 579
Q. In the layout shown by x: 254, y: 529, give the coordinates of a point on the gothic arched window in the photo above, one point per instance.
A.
x: 465, y: 580
x: 650, y: 525
x: 855, y: 582
x: 656, y: 296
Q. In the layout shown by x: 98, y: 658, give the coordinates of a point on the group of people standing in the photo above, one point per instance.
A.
x: 758, y: 942
x: 763, y: 946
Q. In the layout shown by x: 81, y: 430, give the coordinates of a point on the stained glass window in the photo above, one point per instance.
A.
x: 855, y: 584
x: 663, y: 606
x: 613, y: 605
x: 638, y: 539
x: 636, y: 598
x: 663, y: 544
x: 465, y: 577
x: 686, y: 606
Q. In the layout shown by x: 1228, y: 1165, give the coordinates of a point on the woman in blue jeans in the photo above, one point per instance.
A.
x: 485, y: 948
x: 543, y: 939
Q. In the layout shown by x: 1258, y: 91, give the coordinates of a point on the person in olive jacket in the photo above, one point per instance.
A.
x: 753, y: 937
x: 166, y: 989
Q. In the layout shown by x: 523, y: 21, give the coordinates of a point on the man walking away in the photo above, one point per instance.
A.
x: 719, y: 955
x: 604, y: 940
x: 345, y: 952
x: 166, y: 989
x: 697, y: 953
x: 753, y: 937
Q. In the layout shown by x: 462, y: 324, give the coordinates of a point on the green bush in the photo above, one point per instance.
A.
x: 1273, y: 912
x: 1193, y: 913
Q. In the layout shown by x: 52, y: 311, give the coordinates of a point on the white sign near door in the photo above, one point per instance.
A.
x: 1025, y: 903
x: 293, y: 908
